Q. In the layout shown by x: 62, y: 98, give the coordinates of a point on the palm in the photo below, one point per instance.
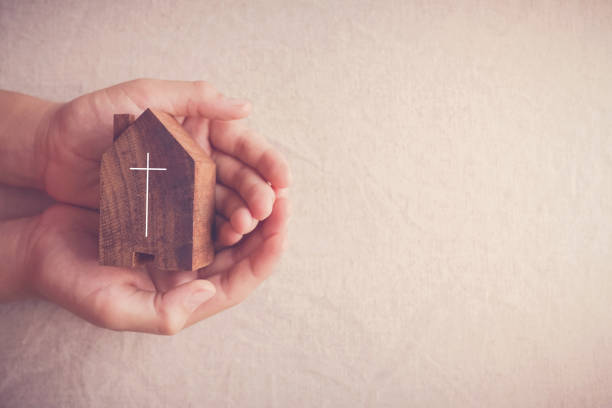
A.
x: 247, y: 169
x: 81, y: 132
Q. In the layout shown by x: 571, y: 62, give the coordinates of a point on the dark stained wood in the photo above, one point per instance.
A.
x: 180, y: 203
x: 120, y: 123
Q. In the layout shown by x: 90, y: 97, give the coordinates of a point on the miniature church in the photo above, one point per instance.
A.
x: 157, y: 190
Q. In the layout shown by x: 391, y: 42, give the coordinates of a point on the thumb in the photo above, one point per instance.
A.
x: 180, y: 302
x: 181, y: 98
x: 164, y: 312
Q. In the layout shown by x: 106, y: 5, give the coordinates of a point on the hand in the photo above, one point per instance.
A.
x: 66, y: 271
x: 251, y: 178
x: 81, y: 130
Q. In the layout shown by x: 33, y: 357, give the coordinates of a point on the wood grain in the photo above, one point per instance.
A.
x: 180, y: 198
x: 120, y: 123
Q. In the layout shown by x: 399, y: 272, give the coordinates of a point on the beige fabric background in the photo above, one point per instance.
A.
x: 451, y: 239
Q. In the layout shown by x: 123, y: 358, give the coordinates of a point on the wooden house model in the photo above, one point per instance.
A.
x: 156, y: 196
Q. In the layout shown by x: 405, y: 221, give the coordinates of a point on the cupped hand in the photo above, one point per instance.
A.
x: 66, y: 271
x: 81, y: 130
x: 251, y: 180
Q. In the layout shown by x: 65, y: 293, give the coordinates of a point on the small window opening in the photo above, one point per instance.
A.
x: 141, y: 258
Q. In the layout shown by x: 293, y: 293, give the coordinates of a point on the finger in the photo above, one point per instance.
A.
x: 225, y: 235
x: 258, y: 194
x: 156, y: 312
x: 255, y: 258
x: 227, y: 202
x: 181, y: 98
x: 238, y: 141
x: 233, y: 208
x: 166, y: 280
x: 231, y: 256
x: 197, y: 127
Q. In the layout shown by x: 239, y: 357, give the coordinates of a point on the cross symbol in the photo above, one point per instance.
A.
x: 147, y: 191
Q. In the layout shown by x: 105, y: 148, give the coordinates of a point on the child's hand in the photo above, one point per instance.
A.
x: 251, y: 176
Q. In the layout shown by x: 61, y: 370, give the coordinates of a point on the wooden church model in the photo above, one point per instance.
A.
x: 157, y: 190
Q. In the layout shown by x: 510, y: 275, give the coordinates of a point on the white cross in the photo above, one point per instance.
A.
x: 147, y: 191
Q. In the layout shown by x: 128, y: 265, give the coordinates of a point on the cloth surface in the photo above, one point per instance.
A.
x: 451, y: 237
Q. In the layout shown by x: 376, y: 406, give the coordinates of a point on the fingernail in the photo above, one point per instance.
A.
x: 197, y: 298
